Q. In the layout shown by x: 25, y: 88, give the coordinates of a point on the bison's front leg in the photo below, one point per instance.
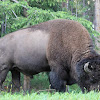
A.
x: 56, y: 82
x: 15, y: 80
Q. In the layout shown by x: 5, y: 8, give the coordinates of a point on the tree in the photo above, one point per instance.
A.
x: 83, y: 7
x: 97, y: 23
x: 97, y: 15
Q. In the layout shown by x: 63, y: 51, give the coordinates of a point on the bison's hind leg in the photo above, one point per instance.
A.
x: 56, y: 82
x: 15, y: 80
x: 3, y: 73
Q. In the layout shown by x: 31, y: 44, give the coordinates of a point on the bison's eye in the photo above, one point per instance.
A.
x: 88, y: 68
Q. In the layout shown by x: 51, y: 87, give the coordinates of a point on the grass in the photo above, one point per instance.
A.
x: 48, y: 96
x: 40, y: 82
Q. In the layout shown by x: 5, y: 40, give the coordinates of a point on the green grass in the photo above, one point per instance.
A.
x: 40, y: 82
x: 48, y: 96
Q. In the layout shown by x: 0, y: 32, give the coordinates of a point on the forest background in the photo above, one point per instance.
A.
x: 17, y: 14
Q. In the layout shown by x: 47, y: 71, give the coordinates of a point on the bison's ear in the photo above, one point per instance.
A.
x: 87, y: 67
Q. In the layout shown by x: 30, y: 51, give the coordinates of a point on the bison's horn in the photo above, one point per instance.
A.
x: 86, y: 68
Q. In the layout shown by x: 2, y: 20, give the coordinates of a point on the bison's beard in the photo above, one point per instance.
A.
x: 86, y: 85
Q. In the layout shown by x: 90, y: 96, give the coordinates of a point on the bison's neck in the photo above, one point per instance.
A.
x: 80, y: 55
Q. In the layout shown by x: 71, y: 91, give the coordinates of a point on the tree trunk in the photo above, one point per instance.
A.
x: 72, y: 7
x: 76, y: 8
x: 97, y: 23
x: 26, y: 85
x: 97, y: 15
x: 65, y: 4
x: 83, y: 7
x: 3, y: 25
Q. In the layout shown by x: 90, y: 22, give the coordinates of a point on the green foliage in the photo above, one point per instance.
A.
x: 16, y: 20
x: 45, y: 3
x: 40, y: 82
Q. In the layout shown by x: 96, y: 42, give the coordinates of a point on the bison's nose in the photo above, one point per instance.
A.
x: 95, y: 88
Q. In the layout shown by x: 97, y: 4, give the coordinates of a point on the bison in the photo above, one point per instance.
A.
x: 61, y: 46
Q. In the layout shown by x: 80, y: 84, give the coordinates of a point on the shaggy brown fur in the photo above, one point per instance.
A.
x: 69, y: 43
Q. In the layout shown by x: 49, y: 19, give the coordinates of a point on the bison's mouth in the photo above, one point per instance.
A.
x: 89, y: 88
x: 95, y: 88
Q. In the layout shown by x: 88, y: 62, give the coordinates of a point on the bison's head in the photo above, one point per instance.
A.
x: 88, y: 73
